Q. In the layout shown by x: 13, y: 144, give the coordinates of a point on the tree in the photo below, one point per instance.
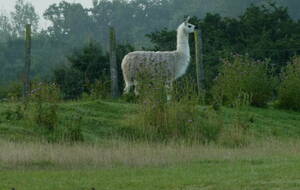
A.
x: 70, y: 23
x: 163, y: 40
x: 5, y: 28
x: 24, y: 14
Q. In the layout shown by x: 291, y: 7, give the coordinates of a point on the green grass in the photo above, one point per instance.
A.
x: 212, y: 175
x: 102, y: 119
x: 268, y: 121
x: 99, y: 119
x: 104, y: 162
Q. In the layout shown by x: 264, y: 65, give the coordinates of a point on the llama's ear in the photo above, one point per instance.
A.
x: 187, y: 19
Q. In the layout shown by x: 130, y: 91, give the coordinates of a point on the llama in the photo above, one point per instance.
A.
x: 170, y: 65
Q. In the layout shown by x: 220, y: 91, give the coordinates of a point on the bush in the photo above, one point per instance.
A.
x: 181, y: 118
x: 289, y: 89
x: 241, y: 75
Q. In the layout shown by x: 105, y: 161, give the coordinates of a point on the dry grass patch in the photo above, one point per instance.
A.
x: 118, y: 153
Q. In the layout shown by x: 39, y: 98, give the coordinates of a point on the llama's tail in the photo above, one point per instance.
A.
x: 126, y: 74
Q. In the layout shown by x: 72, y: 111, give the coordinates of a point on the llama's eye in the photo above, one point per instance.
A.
x: 189, y: 26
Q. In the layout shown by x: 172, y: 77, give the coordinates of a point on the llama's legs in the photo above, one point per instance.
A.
x: 136, y: 92
x: 128, y: 86
x: 169, y: 89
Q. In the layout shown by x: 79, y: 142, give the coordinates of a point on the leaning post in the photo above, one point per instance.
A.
x: 113, y: 64
x: 199, y: 61
x: 26, y: 77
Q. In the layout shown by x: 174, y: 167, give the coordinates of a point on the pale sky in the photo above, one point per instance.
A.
x: 39, y: 5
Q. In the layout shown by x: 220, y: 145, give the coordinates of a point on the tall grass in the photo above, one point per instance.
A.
x: 237, y: 134
x: 132, y: 154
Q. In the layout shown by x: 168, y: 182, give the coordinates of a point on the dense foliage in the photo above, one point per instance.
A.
x: 289, y: 90
x: 242, y: 76
x: 262, y: 32
x: 85, y: 67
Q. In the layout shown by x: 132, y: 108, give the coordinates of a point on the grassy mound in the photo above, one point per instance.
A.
x: 103, y: 119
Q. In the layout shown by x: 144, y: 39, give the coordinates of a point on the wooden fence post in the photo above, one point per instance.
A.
x: 113, y: 64
x: 26, y: 79
x: 199, y: 61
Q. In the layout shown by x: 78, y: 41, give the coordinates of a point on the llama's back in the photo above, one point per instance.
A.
x: 154, y: 63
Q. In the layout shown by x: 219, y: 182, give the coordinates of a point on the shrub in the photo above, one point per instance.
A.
x: 241, y: 75
x: 289, y: 89
x: 181, y: 118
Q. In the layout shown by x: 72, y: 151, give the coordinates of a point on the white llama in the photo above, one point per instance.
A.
x: 167, y: 64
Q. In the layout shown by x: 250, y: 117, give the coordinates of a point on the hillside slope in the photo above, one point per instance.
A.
x: 102, y: 119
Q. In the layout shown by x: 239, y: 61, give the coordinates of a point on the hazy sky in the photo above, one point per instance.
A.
x: 40, y: 5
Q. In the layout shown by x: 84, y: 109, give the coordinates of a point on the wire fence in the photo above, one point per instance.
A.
x: 48, y: 55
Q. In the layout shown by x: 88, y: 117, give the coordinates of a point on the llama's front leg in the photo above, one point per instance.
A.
x: 169, y: 89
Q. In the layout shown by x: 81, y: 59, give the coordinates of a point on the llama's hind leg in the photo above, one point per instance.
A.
x: 128, y: 86
x: 169, y: 90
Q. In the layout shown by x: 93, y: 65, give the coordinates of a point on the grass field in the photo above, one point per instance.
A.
x: 214, y: 175
x: 271, y: 165
x: 270, y: 161
x: 130, y: 166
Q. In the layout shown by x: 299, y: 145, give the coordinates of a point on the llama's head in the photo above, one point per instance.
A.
x: 186, y: 27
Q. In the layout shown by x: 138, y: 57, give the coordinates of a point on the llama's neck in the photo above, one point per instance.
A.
x: 183, y: 49
x: 183, y: 43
